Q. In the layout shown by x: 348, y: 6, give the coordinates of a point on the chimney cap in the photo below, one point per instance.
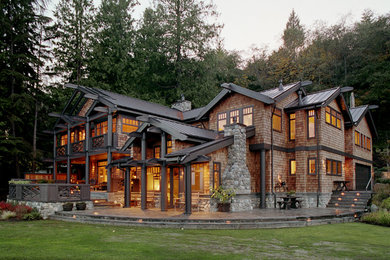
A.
x: 280, y: 84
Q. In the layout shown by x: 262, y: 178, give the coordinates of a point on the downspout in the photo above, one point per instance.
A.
x: 272, y: 155
x: 318, y: 161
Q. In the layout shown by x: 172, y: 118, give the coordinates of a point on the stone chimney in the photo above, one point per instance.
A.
x: 352, y: 101
x: 182, y: 104
x: 236, y: 174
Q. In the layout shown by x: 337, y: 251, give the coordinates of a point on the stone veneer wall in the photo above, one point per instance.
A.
x: 48, y: 208
x: 236, y: 174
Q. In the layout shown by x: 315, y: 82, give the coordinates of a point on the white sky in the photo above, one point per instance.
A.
x: 260, y: 23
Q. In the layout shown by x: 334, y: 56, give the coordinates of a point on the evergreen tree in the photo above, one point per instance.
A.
x: 72, y: 33
x: 19, y: 58
x: 111, y: 66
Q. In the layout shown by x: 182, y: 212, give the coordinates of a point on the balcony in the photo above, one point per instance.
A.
x: 96, y: 143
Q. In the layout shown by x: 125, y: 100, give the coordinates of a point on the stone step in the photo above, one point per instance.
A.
x: 204, y: 223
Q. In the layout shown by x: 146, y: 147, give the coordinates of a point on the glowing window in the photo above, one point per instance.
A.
x: 129, y: 125
x: 292, y: 126
x: 311, y: 124
x: 293, y: 167
x: 222, y: 121
x: 247, y: 116
x: 277, y: 120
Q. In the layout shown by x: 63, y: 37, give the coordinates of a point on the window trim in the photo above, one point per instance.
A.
x: 281, y: 119
x: 240, y: 116
x: 219, y: 174
x: 337, y: 117
x: 315, y: 165
x: 289, y: 126
x: 290, y: 172
x: 315, y: 124
x: 331, y: 173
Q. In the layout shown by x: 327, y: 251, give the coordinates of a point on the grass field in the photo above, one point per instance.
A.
x: 61, y: 240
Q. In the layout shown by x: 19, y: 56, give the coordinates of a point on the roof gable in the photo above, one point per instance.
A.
x: 358, y: 113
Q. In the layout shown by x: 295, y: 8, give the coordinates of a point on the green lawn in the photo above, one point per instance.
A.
x: 61, y: 240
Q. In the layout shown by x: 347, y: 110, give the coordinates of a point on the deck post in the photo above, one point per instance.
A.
x: 171, y: 187
x: 187, y: 184
x: 143, y: 171
x: 163, y: 200
x: 68, y: 156
x: 54, y: 155
x: 87, y: 126
x: 127, y: 188
x: 109, y: 147
x: 262, y: 178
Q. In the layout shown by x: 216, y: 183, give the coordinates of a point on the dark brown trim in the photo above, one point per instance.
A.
x: 264, y: 146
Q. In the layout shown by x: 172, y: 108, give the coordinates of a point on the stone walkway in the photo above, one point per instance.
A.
x: 257, y: 218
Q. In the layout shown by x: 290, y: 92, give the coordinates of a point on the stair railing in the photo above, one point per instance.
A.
x: 368, y: 183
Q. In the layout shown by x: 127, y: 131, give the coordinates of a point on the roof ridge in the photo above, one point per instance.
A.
x: 324, y: 90
x: 289, y: 84
x: 361, y: 106
x: 181, y: 123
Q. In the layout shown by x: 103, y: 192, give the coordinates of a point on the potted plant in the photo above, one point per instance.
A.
x: 81, y: 205
x: 223, y: 197
x: 291, y: 193
x: 68, y: 206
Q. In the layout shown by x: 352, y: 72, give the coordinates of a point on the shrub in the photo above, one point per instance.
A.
x: 382, y: 192
x: 42, y: 181
x: 22, y: 210
x: 378, y: 218
x: 383, y: 181
x: 222, y: 195
x: 386, y: 204
x: 33, y: 215
x: 7, y: 215
x: 19, y: 182
x: 6, y: 206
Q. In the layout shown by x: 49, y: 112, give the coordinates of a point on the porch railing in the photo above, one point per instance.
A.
x: 78, y: 147
x: 61, y: 150
x: 49, y: 192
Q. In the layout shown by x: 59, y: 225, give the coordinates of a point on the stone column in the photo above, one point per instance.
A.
x: 236, y: 174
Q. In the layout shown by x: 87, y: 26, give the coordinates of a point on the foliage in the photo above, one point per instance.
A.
x: 7, y: 215
x: 19, y: 182
x: 223, y: 195
x: 382, y: 192
x: 6, y: 206
x: 72, y: 33
x: 378, y: 218
x: 381, y: 180
x: 33, y: 215
x: 385, y: 204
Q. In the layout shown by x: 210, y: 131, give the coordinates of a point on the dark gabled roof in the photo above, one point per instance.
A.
x: 358, y: 113
x: 320, y: 98
x: 279, y: 94
x: 180, y: 130
x: 192, y: 114
x: 191, y: 153
x: 140, y: 105
x: 227, y: 89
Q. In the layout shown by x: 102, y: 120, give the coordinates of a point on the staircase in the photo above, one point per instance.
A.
x: 352, y: 200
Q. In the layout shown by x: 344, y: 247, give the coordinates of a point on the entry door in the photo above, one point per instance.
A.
x: 102, y: 172
x: 362, y: 176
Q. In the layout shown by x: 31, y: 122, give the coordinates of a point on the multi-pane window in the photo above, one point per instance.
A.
x: 222, y: 121
x: 216, y: 175
x: 241, y: 115
x: 292, y: 126
x: 332, y: 117
x: 169, y: 146
x: 277, y: 120
x: 157, y: 150
x: 357, y: 138
x: 234, y: 116
x: 362, y: 140
x: 101, y: 128
x: 311, y: 164
x: 247, y: 116
x: 333, y: 167
x: 129, y: 125
x: 153, y: 178
x: 311, y: 124
x: 64, y: 140
x: 293, y: 167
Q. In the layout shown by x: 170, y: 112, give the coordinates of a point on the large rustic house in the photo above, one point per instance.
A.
x: 150, y: 155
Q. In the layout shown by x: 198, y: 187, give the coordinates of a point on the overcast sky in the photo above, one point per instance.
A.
x: 260, y: 23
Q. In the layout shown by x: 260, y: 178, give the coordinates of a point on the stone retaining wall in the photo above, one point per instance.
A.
x: 48, y: 208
